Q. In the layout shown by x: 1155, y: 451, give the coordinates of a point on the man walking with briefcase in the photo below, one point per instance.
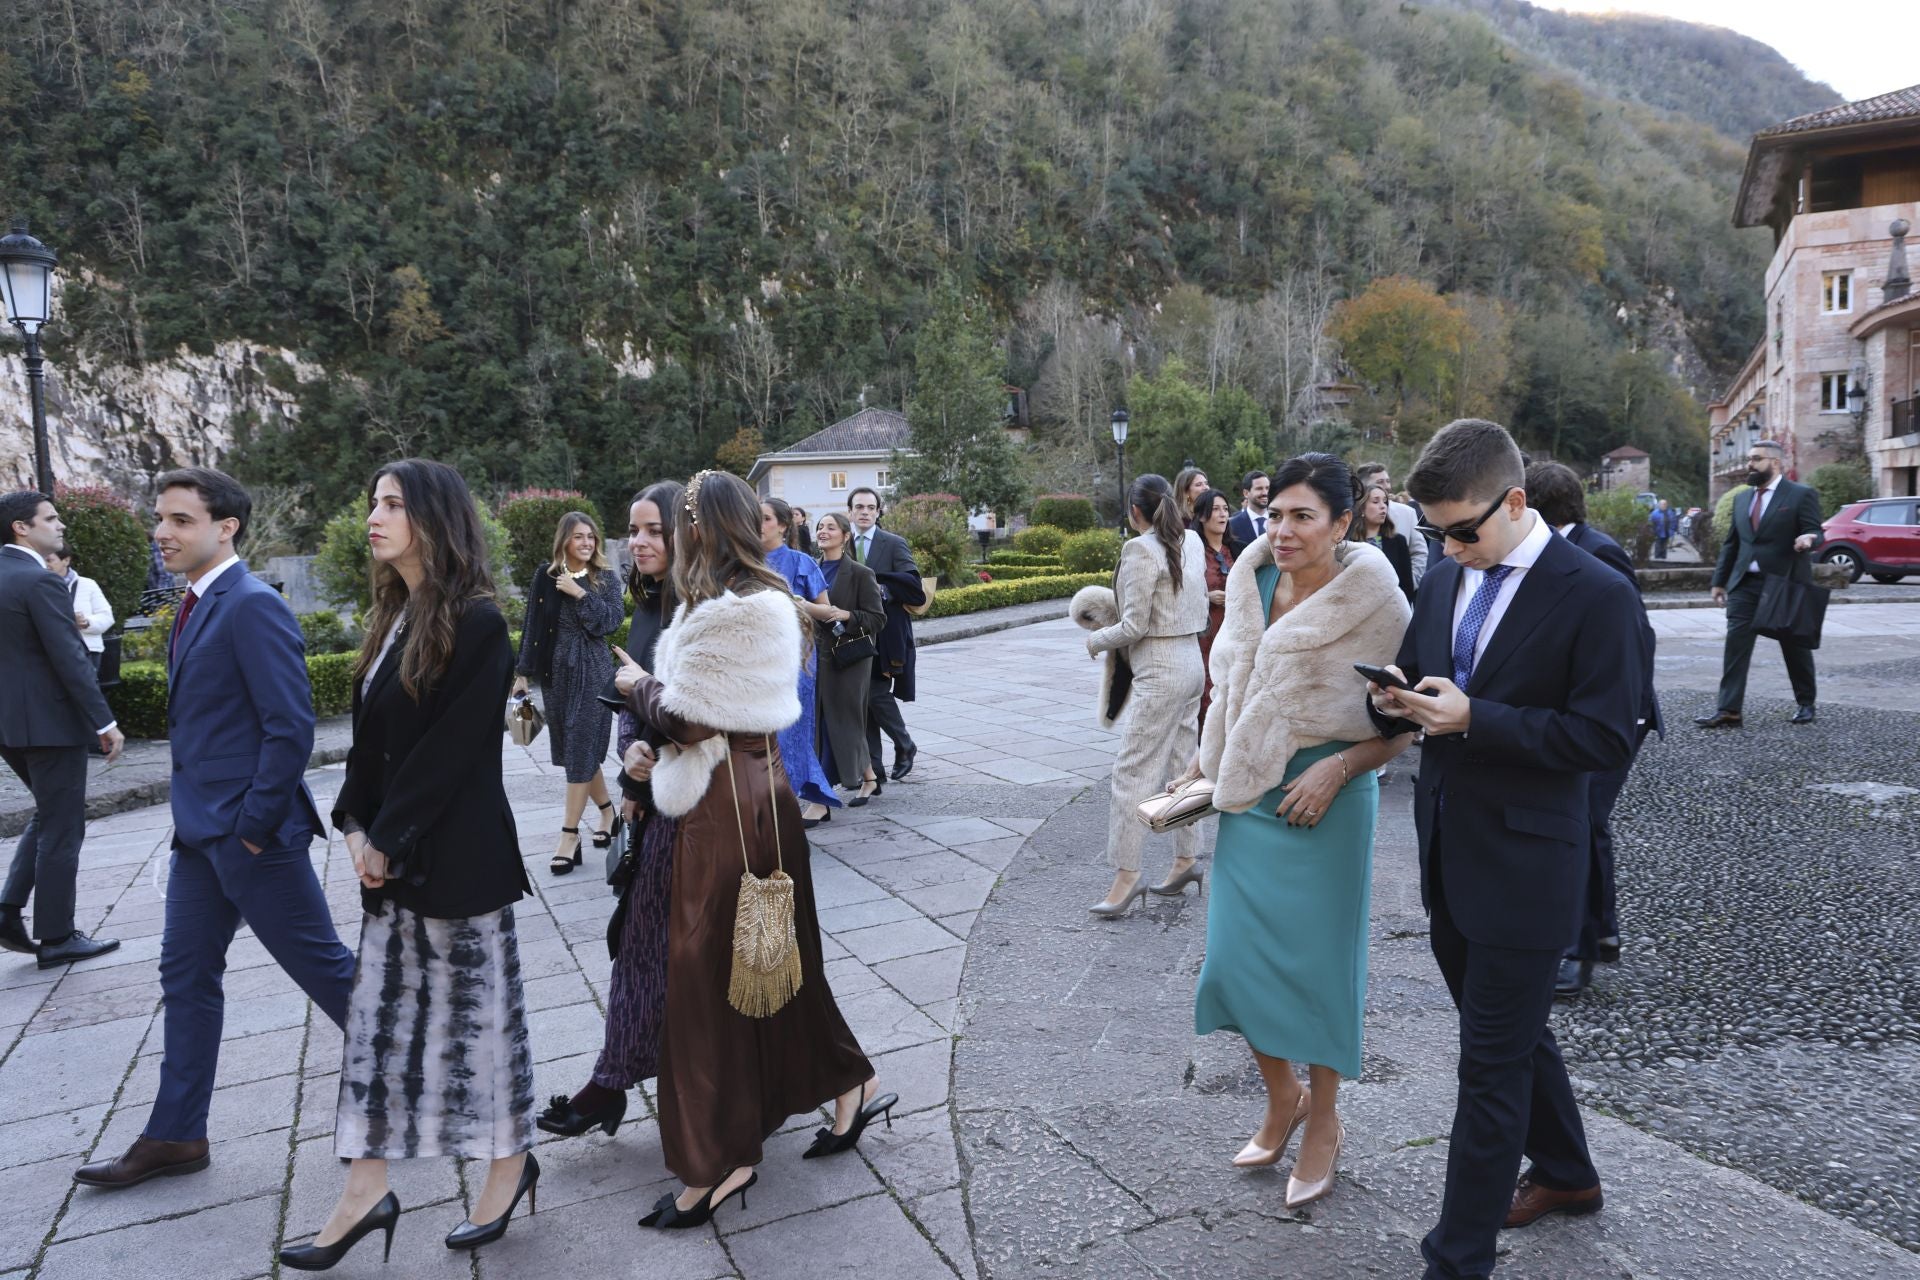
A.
x: 1768, y: 529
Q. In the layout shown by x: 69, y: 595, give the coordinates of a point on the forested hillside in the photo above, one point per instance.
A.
x: 588, y: 242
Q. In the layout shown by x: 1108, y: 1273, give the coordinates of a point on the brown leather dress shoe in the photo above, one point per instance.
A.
x: 1531, y: 1202
x: 146, y: 1158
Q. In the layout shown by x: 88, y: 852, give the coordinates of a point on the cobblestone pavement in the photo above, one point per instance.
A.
x: 1092, y: 1126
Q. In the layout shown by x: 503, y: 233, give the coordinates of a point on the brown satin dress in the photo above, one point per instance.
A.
x: 728, y: 1081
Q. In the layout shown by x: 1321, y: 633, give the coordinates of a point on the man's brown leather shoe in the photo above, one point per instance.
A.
x: 146, y: 1158
x: 1531, y: 1201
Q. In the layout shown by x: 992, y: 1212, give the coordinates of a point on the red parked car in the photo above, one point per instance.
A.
x: 1880, y: 536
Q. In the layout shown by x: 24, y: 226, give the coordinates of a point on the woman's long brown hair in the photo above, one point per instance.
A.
x: 716, y: 544
x: 568, y: 523
x: 666, y: 497
x: 453, y: 557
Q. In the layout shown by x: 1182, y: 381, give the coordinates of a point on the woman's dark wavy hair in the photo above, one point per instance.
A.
x: 453, y: 556
x: 1154, y: 499
x: 1203, y: 505
x: 1330, y: 479
x: 666, y: 497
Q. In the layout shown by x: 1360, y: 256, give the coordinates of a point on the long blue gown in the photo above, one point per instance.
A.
x: 810, y: 781
x: 1286, y: 962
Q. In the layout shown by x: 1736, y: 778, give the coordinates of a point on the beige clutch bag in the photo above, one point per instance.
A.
x: 1178, y: 808
x: 524, y: 721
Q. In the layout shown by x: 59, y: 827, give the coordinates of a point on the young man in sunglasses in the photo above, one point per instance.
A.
x: 1527, y: 671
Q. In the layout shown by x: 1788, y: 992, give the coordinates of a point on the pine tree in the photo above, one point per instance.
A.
x: 956, y: 411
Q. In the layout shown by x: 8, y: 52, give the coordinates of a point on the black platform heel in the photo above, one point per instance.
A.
x: 468, y: 1236
x: 601, y: 839
x: 561, y: 1118
x: 828, y: 1143
x: 667, y: 1214
x: 562, y: 864
x: 322, y: 1257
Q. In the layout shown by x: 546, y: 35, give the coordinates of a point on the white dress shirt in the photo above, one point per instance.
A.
x: 1520, y: 559
x: 212, y: 575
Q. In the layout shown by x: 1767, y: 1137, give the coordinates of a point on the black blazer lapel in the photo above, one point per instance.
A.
x: 1434, y: 643
x: 1540, y: 589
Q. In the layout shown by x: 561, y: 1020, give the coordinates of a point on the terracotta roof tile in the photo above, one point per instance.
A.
x: 1888, y: 106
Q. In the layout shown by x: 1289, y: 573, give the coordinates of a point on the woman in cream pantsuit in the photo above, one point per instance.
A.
x: 1161, y: 592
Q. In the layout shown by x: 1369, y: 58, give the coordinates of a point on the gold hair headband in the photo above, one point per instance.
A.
x: 693, y: 496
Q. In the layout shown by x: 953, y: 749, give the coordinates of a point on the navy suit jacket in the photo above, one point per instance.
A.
x: 1240, y: 529
x: 1610, y: 553
x: 1555, y: 697
x: 240, y: 719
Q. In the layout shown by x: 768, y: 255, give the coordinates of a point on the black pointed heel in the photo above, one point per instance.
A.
x: 667, y: 1214
x: 601, y: 839
x: 562, y: 864
x: 322, y: 1257
x: 561, y: 1118
x: 468, y: 1236
x: 828, y: 1143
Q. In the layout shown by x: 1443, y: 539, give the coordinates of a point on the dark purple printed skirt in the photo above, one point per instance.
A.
x: 637, y: 999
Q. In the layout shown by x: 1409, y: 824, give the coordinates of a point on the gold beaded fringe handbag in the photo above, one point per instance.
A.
x: 766, y: 950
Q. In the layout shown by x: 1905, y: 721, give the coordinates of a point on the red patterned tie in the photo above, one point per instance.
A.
x: 180, y: 619
x: 1759, y: 503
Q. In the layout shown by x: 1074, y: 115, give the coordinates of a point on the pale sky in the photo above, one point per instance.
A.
x: 1854, y: 45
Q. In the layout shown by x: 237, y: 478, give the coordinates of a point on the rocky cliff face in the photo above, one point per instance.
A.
x: 123, y: 425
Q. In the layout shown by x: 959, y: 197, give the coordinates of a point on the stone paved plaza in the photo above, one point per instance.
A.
x: 1748, y: 1068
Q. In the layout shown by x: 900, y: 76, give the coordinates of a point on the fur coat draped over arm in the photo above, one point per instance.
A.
x: 726, y: 665
x: 1279, y: 689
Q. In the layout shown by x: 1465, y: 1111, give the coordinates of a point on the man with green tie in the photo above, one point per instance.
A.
x: 891, y: 560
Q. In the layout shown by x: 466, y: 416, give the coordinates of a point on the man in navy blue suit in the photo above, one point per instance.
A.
x: 1524, y: 652
x: 1558, y: 495
x: 240, y: 719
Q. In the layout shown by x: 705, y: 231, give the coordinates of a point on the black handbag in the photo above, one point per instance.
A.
x: 620, y: 856
x: 1792, y: 609
x: 854, y: 646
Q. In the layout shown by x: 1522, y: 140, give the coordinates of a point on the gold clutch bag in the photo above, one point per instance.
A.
x: 1178, y: 808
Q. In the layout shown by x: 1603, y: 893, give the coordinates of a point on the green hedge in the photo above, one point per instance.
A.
x: 109, y: 544
x: 1023, y: 557
x: 1069, y: 511
x: 1039, y: 540
x: 997, y: 595
x: 139, y: 701
x: 1018, y: 572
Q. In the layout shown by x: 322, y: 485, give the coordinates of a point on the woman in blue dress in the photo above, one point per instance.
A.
x: 797, y: 751
x: 1292, y: 755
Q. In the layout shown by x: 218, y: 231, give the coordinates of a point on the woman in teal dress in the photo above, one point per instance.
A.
x: 1292, y: 753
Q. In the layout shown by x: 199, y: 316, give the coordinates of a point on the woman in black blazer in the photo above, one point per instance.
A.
x: 854, y: 592
x: 1371, y: 523
x: 436, y: 1061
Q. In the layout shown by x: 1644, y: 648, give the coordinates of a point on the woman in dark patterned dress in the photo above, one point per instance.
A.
x: 436, y: 1061
x: 637, y: 934
x: 1210, y: 517
x: 573, y: 606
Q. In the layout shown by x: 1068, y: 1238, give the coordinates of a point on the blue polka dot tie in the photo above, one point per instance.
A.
x: 1468, y: 634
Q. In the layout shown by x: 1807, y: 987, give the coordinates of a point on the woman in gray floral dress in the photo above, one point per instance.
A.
x: 574, y: 605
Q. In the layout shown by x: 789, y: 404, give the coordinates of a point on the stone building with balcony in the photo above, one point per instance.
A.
x: 1837, y: 374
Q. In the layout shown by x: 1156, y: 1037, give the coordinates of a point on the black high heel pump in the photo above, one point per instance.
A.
x: 469, y: 1236
x: 828, y: 1143
x: 322, y: 1257
x: 667, y: 1214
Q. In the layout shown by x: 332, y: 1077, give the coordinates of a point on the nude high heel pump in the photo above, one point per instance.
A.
x: 1174, y: 886
x: 1254, y: 1156
x: 1301, y: 1193
x: 1114, y: 910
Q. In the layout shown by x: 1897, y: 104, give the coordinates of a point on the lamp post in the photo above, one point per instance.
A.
x: 1857, y: 395
x: 1119, y: 425
x: 26, y: 286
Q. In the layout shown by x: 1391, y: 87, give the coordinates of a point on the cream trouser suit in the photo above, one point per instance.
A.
x: 1157, y: 741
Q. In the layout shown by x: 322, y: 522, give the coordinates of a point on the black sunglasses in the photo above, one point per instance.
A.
x: 1466, y: 532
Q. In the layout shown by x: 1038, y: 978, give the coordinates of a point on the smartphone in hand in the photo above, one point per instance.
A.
x: 1386, y: 679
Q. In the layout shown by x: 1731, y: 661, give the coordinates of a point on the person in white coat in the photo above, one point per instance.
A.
x: 91, y: 612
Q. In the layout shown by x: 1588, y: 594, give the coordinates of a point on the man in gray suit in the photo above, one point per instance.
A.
x: 51, y: 711
x: 891, y: 560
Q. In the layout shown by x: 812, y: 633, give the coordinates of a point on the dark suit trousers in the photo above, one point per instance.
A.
x: 47, y: 860
x: 883, y: 713
x: 1514, y: 1098
x: 1600, y: 917
x: 209, y: 893
x: 1742, y: 602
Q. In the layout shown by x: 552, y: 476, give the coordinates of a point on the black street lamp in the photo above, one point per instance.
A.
x: 1857, y: 395
x: 1119, y: 425
x: 26, y: 286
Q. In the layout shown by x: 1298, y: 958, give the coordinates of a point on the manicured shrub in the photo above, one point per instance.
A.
x: 331, y: 675
x: 139, y: 701
x: 532, y: 516
x: 326, y: 633
x: 1618, y: 514
x: 1018, y: 572
x: 1095, y: 551
x: 1023, y: 557
x: 935, y: 526
x: 109, y: 544
x: 1839, y: 483
x: 996, y: 595
x: 1039, y: 540
x: 1068, y: 511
